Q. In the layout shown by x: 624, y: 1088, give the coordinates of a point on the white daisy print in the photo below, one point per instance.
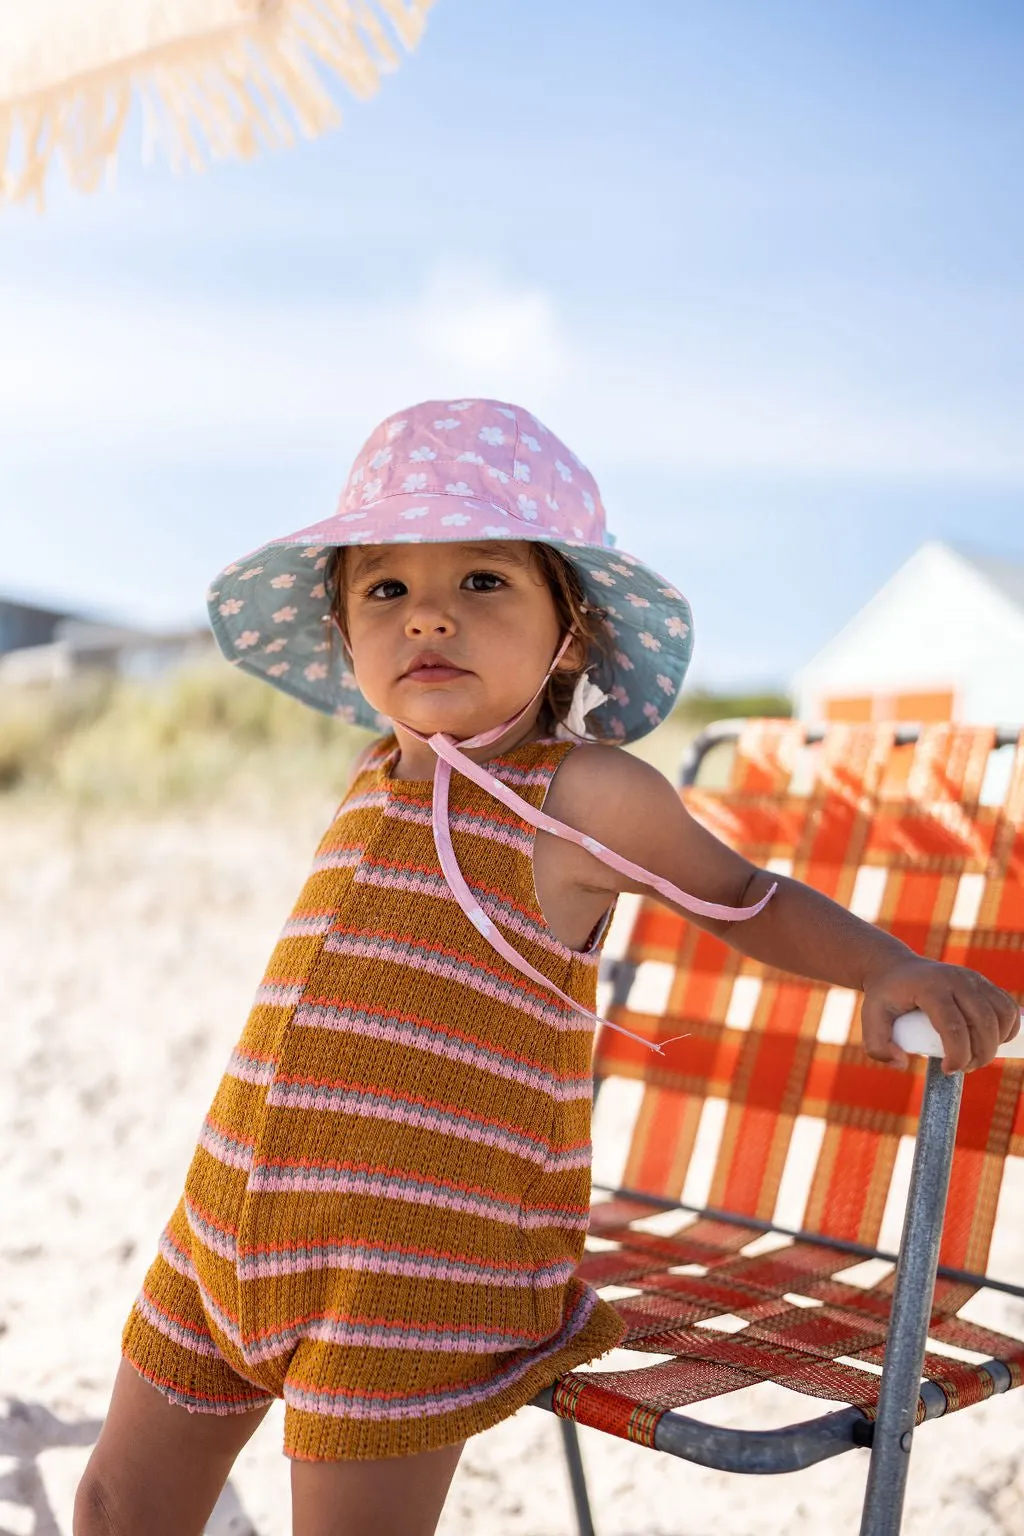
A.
x: 414, y: 482
x: 422, y: 455
x: 395, y: 429
x: 282, y: 581
x: 448, y: 425
x: 469, y: 458
x: 230, y: 607
x: 531, y: 442
x: 459, y: 405
x: 495, y: 533
x: 382, y: 457
x: 408, y: 538
x: 528, y: 509
x: 346, y: 517
x: 503, y: 410
x: 285, y: 615
x: 497, y: 474
x: 492, y: 435
x: 648, y: 641
x: 455, y: 520
x: 460, y: 488
x: 315, y: 671
x: 372, y: 489
x: 521, y: 471
x: 247, y: 638
x: 677, y: 628
x: 411, y: 512
x: 356, y: 478
x: 563, y: 470
x: 552, y: 503
x: 588, y: 502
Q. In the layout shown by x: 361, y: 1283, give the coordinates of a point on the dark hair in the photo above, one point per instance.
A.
x: 571, y: 605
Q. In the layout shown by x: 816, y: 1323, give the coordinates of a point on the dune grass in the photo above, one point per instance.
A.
x: 208, y: 730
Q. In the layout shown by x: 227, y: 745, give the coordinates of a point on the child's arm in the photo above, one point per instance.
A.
x: 633, y: 809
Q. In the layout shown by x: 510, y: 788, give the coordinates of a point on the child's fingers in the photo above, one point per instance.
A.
x: 876, y: 1023
x: 954, y: 1031
x: 984, y: 1024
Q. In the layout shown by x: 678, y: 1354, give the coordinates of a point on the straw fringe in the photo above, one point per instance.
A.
x: 228, y: 93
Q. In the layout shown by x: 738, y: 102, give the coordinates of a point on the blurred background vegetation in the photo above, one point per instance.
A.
x: 206, y: 731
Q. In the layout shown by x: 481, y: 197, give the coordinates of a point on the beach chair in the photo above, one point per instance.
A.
x: 779, y: 1146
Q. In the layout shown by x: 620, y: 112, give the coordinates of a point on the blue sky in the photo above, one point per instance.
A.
x: 759, y: 264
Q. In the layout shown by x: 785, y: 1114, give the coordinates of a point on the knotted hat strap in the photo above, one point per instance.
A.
x: 451, y: 754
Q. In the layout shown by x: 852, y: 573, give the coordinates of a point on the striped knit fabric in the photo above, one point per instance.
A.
x: 389, y: 1198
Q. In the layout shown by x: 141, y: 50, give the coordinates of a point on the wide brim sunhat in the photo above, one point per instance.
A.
x: 447, y: 472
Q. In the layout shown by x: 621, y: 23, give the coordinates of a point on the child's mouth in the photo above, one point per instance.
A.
x: 430, y: 669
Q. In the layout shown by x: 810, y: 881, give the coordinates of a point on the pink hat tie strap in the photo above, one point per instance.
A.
x: 451, y: 754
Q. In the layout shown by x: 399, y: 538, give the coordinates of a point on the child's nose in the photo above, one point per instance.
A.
x: 429, y: 621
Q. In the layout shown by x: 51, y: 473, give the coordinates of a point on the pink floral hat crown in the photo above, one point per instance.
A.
x: 467, y: 470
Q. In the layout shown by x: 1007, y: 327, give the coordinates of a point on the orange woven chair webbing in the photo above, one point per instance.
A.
x: 908, y: 831
x: 812, y: 1346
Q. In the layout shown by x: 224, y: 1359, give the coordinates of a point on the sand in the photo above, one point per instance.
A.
x: 130, y: 950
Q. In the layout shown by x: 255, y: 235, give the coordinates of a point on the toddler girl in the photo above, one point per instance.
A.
x: 388, y: 1201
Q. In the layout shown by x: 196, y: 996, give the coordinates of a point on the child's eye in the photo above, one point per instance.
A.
x: 483, y: 581
x: 382, y: 590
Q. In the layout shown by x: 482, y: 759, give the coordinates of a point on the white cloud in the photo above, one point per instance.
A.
x: 157, y: 377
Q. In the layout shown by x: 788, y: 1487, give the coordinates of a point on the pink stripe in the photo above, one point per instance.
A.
x: 283, y: 994
x: 337, y: 1403
x: 490, y: 831
x: 421, y: 883
x: 424, y: 1035
x: 262, y: 1266
x: 189, y: 1338
x: 398, y: 1335
x: 250, y: 1068
x: 275, y: 1179
x: 337, y: 858
x: 436, y: 963
x: 307, y: 927
x: 234, y: 1151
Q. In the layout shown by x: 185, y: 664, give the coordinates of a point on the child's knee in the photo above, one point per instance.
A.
x: 94, y: 1512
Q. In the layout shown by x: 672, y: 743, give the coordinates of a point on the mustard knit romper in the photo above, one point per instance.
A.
x: 389, y: 1196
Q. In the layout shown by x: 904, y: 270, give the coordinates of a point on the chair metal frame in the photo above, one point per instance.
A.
x: 890, y: 1436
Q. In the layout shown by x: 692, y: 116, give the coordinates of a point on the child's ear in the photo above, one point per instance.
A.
x: 575, y: 657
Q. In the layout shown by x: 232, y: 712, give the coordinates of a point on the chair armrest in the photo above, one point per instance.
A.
x: 914, y: 1033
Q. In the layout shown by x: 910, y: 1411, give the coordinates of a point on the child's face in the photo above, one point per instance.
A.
x: 484, y: 609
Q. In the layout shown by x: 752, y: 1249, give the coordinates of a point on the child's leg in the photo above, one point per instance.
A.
x: 157, y: 1468
x: 402, y: 1496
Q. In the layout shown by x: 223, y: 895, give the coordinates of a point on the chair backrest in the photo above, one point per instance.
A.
x: 772, y: 1091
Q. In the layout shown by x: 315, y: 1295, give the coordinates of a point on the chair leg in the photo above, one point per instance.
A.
x: 577, y: 1477
x: 911, y: 1304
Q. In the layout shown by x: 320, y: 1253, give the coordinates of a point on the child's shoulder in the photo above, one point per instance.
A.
x: 597, y: 786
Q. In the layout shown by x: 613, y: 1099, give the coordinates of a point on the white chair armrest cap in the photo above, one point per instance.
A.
x: 914, y: 1033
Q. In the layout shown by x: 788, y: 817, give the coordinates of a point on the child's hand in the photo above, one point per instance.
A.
x: 972, y: 1016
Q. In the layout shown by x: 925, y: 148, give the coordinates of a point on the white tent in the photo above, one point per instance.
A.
x: 214, y: 77
x: 942, y: 639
